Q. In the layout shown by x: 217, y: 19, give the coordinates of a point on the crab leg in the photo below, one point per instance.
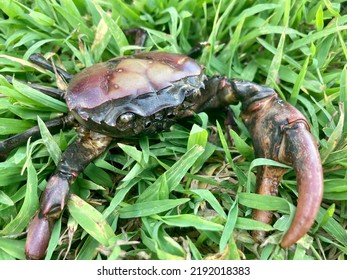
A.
x: 38, y: 59
x: 280, y: 132
x: 77, y: 156
x: 53, y: 92
x: 53, y: 125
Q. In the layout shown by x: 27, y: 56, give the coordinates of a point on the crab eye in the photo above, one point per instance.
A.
x: 170, y: 115
x: 148, y: 124
x: 125, y: 120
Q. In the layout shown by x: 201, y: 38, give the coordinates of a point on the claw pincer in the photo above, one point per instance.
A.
x: 78, y: 155
x: 53, y: 200
x: 280, y: 132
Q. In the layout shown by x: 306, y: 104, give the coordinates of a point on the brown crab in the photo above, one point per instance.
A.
x: 146, y: 93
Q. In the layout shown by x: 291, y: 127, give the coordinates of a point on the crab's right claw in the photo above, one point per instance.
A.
x: 300, y: 150
x: 281, y: 133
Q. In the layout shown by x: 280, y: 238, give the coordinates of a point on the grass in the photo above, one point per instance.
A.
x: 185, y: 193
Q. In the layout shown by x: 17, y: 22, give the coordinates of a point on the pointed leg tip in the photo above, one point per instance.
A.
x: 286, y: 243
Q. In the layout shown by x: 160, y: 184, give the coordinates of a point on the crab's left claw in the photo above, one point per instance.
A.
x: 280, y: 132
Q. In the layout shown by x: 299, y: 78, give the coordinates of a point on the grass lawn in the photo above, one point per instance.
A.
x: 163, y: 196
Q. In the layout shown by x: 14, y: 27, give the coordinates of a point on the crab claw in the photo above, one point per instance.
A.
x: 300, y: 150
x: 280, y: 132
x: 38, y: 237
x: 53, y: 200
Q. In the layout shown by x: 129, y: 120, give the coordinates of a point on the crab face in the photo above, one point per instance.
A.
x: 133, y: 95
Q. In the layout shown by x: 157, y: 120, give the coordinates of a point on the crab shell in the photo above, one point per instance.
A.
x: 133, y: 94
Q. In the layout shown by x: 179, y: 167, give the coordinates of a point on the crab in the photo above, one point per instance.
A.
x: 146, y: 93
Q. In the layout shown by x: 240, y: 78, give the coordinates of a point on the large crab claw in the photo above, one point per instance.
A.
x: 88, y: 146
x: 280, y: 132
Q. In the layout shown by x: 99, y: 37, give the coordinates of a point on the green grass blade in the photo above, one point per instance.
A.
x: 91, y: 220
x: 48, y: 140
x: 30, y: 204
x: 229, y: 226
x: 13, y: 126
x: 208, y: 196
x: 54, y: 240
x: 143, y: 209
x: 187, y: 220
x: 174, y: 175
x: 263, y: 202
x: 249, y: 224
x: 40, y: 98
x: 13, y: 247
